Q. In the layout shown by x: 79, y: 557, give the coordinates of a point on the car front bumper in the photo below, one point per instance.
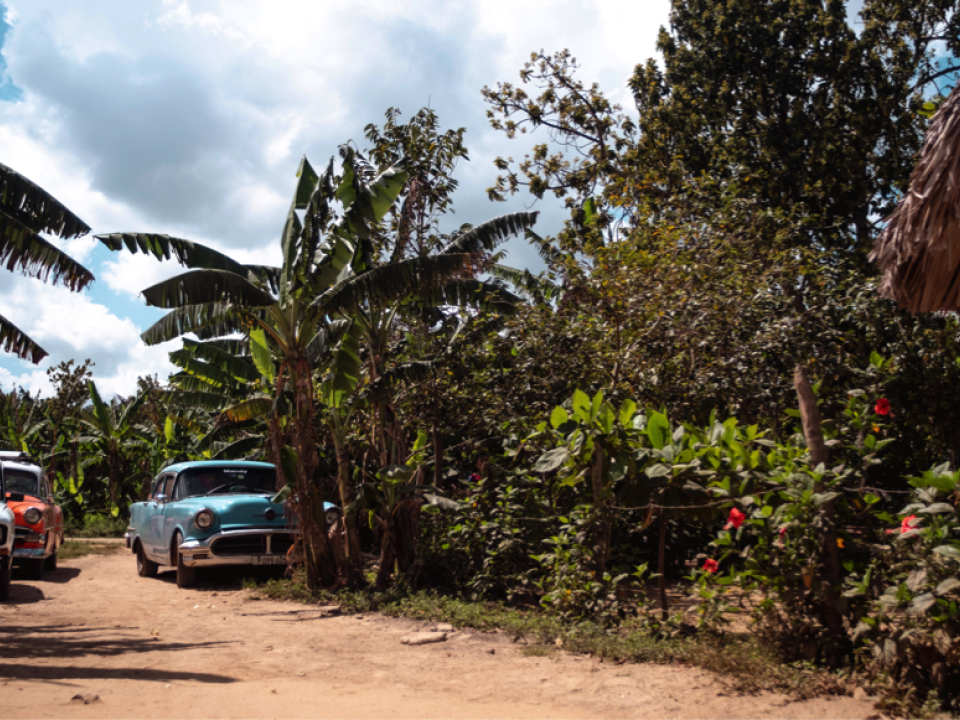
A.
x: 199, y: 553
x: 22, y: 552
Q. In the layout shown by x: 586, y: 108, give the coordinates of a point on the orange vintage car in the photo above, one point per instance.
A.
x: 38, y: 533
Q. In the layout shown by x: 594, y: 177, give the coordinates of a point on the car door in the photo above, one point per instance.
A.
x: 151, y: 536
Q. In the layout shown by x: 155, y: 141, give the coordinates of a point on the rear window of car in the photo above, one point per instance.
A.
x: 21, y: 481
x: 215, y: 481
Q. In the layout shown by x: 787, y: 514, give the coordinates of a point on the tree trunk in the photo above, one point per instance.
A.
x: 388, y: 552
x: 113, y: 463
x: 813, y: 432
x: 662, y: 566
x: 354, y: 560
x: 600, y: 501
x: 437, y: 456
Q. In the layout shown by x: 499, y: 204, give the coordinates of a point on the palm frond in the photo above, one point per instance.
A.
x: 267, y: 274
x: 164, y: 247
x: 224, y: 431
x: 326, y: 338
x: 393, y: 282
x: 131, y: 409
x: 14, y: 340
x: 24, y: 251
x: 242, y: 370
x: 238, y: 448
x: 487, y: 235
x: 238, y: 347
x: 467, y: 292
x: 36, y: 208
x: 536, y: 288
x: 206, y: 286
x: 257, y: 407
x: 206, y: 320
x: 210, y: 374
x: 202, y: 399
x: 547, y: 252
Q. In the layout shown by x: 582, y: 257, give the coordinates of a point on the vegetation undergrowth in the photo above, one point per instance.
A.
x: 96, y: 525
x: 73, y: 549
x: 739, y: 659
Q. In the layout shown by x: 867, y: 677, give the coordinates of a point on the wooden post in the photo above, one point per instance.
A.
x: 813, y: 432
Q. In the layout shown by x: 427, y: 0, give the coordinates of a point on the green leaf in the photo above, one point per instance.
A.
x: 206, y: 286
x: 947, y: 586
x: 937, y: 508
x: 558, y: 417
x: 658, y: 430
x: 285, y: 492
x: 948, y: 551
x: 581, y: 406
x: 260, y: 352
x: 551, y: 460
x: 627, y: 410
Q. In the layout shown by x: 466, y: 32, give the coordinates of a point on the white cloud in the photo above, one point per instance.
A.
x: 71, y: 325
x: 189, y: 117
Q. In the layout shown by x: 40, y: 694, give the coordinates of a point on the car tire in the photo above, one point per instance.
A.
x: 51, y: 562
x: 145, y: 566
x: 186, y: 576
x: 6, y: 572
x: 33, y: 569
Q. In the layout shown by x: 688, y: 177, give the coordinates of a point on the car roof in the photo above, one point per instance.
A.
x: 33, y: 469
x: 179, y: 467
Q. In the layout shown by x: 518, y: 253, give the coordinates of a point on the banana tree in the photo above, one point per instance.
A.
x: 112, y: 431
x: 26, y: 210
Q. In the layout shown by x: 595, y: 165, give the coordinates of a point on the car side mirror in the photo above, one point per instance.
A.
x: 161, y: 498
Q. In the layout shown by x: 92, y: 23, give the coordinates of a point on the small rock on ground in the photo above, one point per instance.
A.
x: 85, y: 698
x: 443, y: 627
x: 424, y: 638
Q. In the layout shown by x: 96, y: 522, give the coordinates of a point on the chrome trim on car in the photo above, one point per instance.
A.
x: 189, y: 548
x: 28, y: 552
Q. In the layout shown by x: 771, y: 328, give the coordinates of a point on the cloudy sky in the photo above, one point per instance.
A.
x: 189, y: 117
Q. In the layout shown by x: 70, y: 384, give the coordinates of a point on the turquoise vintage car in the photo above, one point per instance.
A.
x: 212, y: 513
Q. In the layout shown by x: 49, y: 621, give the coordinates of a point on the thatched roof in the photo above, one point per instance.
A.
x: 918, y: 252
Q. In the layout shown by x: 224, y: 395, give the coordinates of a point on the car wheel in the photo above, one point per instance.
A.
x: 145, y: 566
x: 51, y: 562
x: 33, y: 569
x: 6, y: 571
x: 186, y: 576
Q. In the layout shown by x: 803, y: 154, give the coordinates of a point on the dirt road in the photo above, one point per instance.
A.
x: 149, y: 650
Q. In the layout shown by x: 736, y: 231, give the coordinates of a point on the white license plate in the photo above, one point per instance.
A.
x: 270, y: 560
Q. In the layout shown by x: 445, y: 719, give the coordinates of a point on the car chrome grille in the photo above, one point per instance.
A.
x: 281, y: 542
x: 253, y: 544
x: 22, y: 532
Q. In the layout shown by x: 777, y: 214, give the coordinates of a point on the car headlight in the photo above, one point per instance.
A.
x: 204, y: 519
x: 331, y: 516
x: 32, y: 516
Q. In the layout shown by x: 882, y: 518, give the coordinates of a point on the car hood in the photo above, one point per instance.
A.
x: 248, y: 510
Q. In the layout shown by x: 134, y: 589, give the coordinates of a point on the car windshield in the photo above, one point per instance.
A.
x: 21, y: 481
x: 213, y: 481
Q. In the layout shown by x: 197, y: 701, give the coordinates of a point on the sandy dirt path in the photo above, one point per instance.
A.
x: 150, y: 650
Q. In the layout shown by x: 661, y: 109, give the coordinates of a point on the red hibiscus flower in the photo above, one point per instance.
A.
x: 882, y: 407
x: 475, y: 478
x: 735, y: 520
x: 906, y: 525
x: 710, y: 565
x: 783, y: 531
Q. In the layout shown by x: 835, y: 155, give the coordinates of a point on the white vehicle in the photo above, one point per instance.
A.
x: 6, y: 540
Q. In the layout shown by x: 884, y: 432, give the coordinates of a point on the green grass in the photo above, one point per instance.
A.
x: 72, y: 549
x: 95, y: 525
x: 739, y: 658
